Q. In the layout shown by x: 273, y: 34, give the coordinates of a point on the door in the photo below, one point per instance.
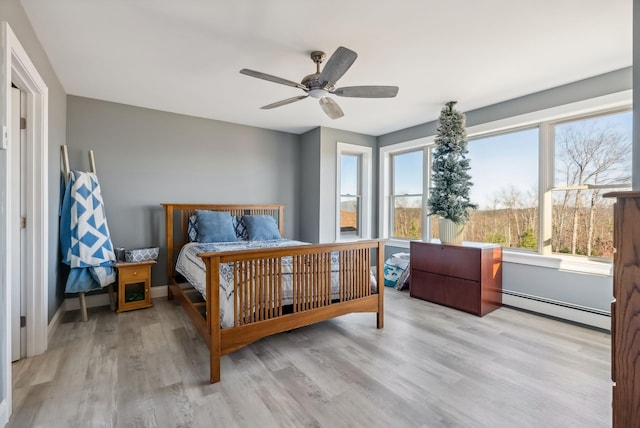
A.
x: 18, y: 228
x: 16, y: 66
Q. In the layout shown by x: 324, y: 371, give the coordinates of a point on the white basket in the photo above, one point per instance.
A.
x: 141, y: 254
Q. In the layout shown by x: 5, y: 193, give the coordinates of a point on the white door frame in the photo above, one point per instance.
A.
x: 17, y: 67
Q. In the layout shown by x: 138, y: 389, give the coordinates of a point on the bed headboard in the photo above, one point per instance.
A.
x: 176, y: 218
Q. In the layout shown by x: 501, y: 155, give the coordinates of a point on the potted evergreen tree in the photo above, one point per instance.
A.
x: 451, y: 182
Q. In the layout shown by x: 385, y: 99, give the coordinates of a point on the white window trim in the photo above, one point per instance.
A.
x: 544, y: 258
x: 366, y: 170
x: 384, y: 220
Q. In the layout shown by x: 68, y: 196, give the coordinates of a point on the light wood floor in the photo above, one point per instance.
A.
x: 429, y: 367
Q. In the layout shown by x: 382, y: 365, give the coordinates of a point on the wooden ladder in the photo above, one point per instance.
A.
x: 65, y: 172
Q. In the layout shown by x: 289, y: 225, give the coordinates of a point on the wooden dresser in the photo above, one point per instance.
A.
x: 467, y: 277
x: 625, y: 310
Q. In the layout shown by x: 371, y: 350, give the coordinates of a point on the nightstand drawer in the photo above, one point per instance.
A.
x: 134, y: 274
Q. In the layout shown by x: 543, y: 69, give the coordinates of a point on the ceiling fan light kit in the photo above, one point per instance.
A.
x: 318, y: 93
x: 322, y: 84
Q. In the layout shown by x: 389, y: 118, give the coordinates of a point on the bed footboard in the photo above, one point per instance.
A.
x: 259, y: 307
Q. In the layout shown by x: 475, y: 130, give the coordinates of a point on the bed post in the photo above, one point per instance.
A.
x: 281, y: 219
x: 168, y: 212
x: 380, y: 281
x: 212, y: 264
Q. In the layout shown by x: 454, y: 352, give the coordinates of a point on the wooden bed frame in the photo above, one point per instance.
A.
x: 258, y: 309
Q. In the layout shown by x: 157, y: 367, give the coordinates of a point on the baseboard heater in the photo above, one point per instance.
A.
x: 558, y: 309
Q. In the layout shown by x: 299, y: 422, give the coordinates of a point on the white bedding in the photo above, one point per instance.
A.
x: 192, y: 268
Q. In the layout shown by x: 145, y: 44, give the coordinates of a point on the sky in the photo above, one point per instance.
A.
x: 349, y: 175
x: 501, y: 162
x: 496, y: 162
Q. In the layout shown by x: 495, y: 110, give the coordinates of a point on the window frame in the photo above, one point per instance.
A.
x: 510, y: 130
x: 544, y: 119
x: 365, y: 179
x: 426, y: 182
x: 386, y: 187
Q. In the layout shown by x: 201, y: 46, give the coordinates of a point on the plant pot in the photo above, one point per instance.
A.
x: 450, y: 232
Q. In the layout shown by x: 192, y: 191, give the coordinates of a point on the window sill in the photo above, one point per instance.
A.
x: 574, y: 264
x: 347, y: 240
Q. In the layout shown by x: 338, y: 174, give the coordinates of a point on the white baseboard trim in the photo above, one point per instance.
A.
x: 55, y: 321
x: 97, y: 300
x: 593, y: 319
x: 4, y: 411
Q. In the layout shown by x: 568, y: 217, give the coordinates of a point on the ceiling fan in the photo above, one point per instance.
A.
x: 321, y: 84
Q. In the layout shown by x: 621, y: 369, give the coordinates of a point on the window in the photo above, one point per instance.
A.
x: 504, y: 171
x: 539, y: 188
x: 353, y: 203
x: 407, y: 194
x: 591, y: 156
x: 350, y: 196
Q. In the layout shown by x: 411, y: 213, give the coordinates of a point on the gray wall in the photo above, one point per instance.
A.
x: 12, y: 12
x: 318, y: 161
x: 330, y: 139
x: 588, y: 290
x: 146, y: 157
x: 309, y: 192
x: 594, y: 291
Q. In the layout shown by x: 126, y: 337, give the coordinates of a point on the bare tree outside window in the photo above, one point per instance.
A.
x: 591, y: 156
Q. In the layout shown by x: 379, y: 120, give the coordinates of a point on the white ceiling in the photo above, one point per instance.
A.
x: 184, y: 56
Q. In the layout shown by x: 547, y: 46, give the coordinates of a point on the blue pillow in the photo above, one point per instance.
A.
x: 261, y: 227
x: 240, y: 228
x: 215, y: 226
x: 192, y: 229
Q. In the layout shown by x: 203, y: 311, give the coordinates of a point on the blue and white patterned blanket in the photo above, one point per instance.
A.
x: 84, y: 235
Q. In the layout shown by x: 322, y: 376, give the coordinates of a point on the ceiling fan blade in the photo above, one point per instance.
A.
x: 284, y: 102
x: 330, y: 107
x: 367, y: 91
x: 271, y: 78
x: 337, y: 65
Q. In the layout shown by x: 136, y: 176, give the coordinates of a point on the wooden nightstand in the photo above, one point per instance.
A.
x: 134, y: 285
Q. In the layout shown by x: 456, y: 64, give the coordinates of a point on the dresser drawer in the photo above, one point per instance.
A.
x: 134, y: 274
x: 449, y: 260
x: 445, y: 290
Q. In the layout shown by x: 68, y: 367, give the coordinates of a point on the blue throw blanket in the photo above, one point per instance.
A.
x: 84, y: 235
